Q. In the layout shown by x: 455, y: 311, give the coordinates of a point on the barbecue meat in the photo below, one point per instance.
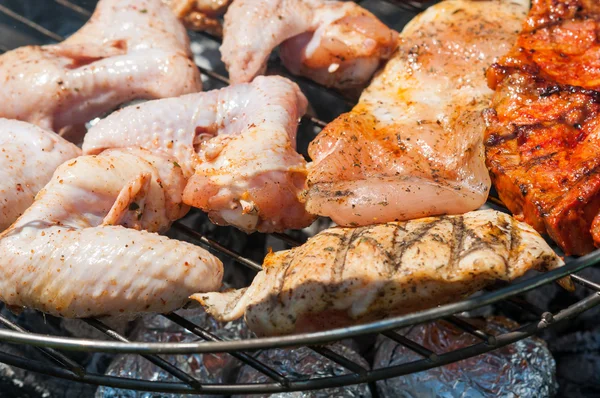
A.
x: 79, y: 251
x: 543, y: 135
x: 335, y: 43
x: 344, y: 276
x: 28, y: 157
x: 238, y: 144
x: 412, y: 147
x: 129, y: 49
x: 200, y: 15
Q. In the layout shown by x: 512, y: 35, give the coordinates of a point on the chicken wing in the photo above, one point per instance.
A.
x: 241, y: 142
x: 345, y: 276
x: 129, y: 49
x: 200, y: 15
x: 28, y: 157
x: 335, y: 43
x: 412, y: 147
x: 543, y: 139
x: 70, y: 254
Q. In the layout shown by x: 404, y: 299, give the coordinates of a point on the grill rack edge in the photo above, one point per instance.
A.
x: 59, y: 365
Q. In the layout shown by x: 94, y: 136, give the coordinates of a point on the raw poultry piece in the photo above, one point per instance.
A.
x: 345, y: 276
x: 241, y: 142
x: 335, y: 43
x: 129, y: 49
x: 543, y: 135
x: 78, y: 251
x: 412, y: 147
x: 28, y: 157
x: 200, y: 15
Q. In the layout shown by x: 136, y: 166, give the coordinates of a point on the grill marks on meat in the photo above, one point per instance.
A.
x: 344, y: 276
x: 543, y: 135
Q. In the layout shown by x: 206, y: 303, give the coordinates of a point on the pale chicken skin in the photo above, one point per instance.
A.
x: 238, y: 144
x: 412, y: 146
x: 130, y: 49
x: 79, y: 251
x: 338, y: 44
x: 28, y: 157
x: 346, y: 276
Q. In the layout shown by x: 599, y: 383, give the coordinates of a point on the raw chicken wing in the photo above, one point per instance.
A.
x: 28, y: 157
x: 335, y: 43
x: 71, y: 255
x: 412, y: 147
x: 240, y: 141
x: 345, y: 276
x: 129, y: 49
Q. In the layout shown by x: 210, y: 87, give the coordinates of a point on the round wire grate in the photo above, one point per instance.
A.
x: 60, y: 365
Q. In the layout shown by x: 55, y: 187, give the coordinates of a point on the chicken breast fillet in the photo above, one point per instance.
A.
x: 28, y: 157
x: 345, y: 276
x: 129, y: 49
x: 335, y: 43
x: 412, y: 146
x: 238, y: 144
x: 70, y: 254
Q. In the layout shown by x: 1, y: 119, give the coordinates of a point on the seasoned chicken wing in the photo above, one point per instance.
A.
x: 70, y: 254
x: 28, y: 157
x: 344, y: 276
x: 413, y: 145
x: 200, y: 15
x: 543, y: 135
x: 129, y: 49
x: 238, y: 144
x: 335, y: 43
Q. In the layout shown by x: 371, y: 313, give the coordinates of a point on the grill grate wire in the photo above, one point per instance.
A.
x: 64, y: 367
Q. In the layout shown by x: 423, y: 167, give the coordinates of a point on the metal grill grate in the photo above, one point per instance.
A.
x: 59, y: 365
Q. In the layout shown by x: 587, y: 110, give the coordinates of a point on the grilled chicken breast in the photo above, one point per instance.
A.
x: 543, y: 139
x: 344, y: 276
x: 28, y: 157
x: 412, y: 146
x: 338, y: 44
x: 238, y: 144
x: 70, y: 254
x: 129, y: 49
